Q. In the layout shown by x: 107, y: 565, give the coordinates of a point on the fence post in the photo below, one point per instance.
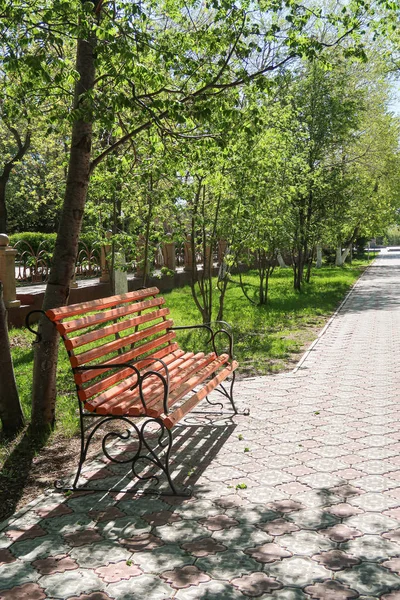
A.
x: 7, y: 272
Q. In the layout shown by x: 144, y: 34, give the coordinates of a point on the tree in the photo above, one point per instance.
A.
x: 135, y: 64
x: 11, y: 415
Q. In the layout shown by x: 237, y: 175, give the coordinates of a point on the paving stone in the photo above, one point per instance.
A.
x: 139, y: 543
x: 82, y: 538
x: 343, y: 510
x: 118, y: 571
x: 278, y: 527
x: 375, y: 483
x: 55, y: 564
x: 198, y: 509
x: 6, y: 557
x: 288, y: 594
x: 314, y: 518
x: 210, y: 591
x: 39, y: 548
x: 305, y: 543
x: 54, y: 510
x: 228, y: 565
x: 99, y: 554
x: 321, y: 480
x: 267, y: 553
x: 374, y: 502
x: 346, y: 490
x: 369, y: 578
x: 28, y: 591
x: 256, y: 584
x: 336, y: 560
x: 393, y: 565
x: 122, y: 528
x: 372, y: 522
x: 184, y: 577
x: 163, y: 558
x: 91, y: 596
x: 331, y: 590
x: 372, y: 547
x: 341, y: 533
x: 391, y: 596
x: 29, y: 533
x: 203, y: 547
x: 144, y: 586
x: 109, y: 514
x: 242, y: 537
x: 298, y: 571
x: 70, y: 583
x: 285, y: 506
x: 68, y: 523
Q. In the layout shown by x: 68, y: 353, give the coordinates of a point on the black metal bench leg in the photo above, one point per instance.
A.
x: 145, y: 453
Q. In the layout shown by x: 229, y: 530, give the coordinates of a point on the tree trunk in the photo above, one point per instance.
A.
x: 23, y: 148
x: 66, y: 248
x: 3, y: 206
x: 339, y: 261
x: 11, y: 414
x: 281, y: 262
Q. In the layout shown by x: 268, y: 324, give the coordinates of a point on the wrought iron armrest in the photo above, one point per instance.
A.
x: 34, y: 331
x: 140, y: 377
x: 213, y: 334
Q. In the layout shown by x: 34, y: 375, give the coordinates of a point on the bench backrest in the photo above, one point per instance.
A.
x: 112, y: 330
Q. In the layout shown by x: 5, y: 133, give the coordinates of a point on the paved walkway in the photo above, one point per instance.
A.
x: 300, y: 500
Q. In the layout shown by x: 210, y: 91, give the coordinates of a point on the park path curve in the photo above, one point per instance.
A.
x: 298, y: 501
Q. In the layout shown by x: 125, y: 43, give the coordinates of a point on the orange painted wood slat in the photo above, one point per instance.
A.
x: 85, y: 376
x: 107, y: 315
x: 200, y: 376
x: 119, y: 405
x: 182, y: 410
x: 154, y: 402
x: 131, y: 379
x: 104, y: 349
x: 55, y: 314
x: 98, y: 334
x: 96, y: 388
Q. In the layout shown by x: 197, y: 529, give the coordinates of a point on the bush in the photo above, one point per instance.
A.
x: 47, y: 241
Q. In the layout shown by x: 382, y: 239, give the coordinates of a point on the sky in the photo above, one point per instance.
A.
x: 395, y: 104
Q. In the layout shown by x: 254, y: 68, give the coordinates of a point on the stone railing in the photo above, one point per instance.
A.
x: 23, y: 264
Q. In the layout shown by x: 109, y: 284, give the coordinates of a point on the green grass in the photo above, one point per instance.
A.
x: 267, y: 338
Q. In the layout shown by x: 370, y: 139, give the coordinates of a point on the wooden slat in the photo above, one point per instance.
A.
x: 104, y: 349
x: 180, y: 412
x: 131, y: 379
x: 199, y: 376
x: 103, y: 332
x: 153, y: 392
x: 107, y: 315
x: 118, y: 405
x: 154, y: 396
x: 55, y: 314
x: 119, y: 375
x: 84, y: 376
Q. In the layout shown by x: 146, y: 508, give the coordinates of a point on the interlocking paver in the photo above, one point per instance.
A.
x: 310, y: 511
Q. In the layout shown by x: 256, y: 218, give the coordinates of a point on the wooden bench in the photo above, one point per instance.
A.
x: 126, y: 363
